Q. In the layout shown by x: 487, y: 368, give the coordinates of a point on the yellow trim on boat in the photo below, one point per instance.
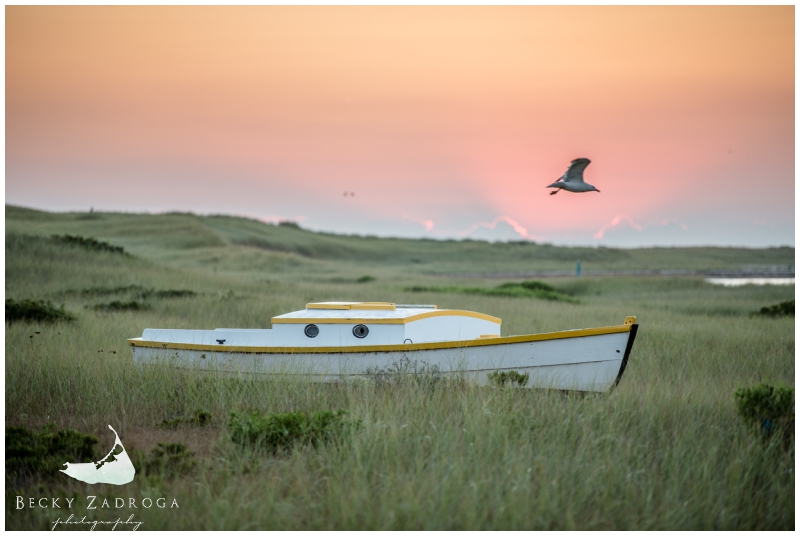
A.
x: 574, y: 333
x: 356, y: 306
x: 405, y: 320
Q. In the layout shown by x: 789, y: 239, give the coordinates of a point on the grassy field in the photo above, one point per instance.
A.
x: 665, y: 450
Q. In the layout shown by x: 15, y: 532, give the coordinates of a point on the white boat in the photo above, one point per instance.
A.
x: 341, y: 340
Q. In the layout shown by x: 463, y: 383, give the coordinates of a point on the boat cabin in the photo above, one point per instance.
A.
x: 348, y: 324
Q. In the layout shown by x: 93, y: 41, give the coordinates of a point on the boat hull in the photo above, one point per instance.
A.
x: 581, y: 360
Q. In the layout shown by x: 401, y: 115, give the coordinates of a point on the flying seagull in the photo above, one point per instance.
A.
x: 572, y: 179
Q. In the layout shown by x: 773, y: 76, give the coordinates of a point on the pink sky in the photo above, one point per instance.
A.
x: 443, y: 121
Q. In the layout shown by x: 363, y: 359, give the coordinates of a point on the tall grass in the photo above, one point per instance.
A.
x: 665, y: 450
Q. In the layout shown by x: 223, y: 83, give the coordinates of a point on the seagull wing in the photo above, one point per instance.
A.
x: 574, y: 172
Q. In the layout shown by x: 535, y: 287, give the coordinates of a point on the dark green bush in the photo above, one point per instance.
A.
x: 537, y: 285
x: 170, y: 459
x: 533, y: 289
x: 117, y: 305
x: 44, y: 453
x: 768, y: 410
x: 281, y: 431
x: 171, y: 293
x: 782, y: 309
x: 365, y: 279
x: 525, y: 289
x: 420, y: 373
x: 511, y: 377
x: 134, y: 290
x: 87, y: 243
x: 107, y: 291
x: 419, y: 288
x: 201, y: 418
x: 198, y: 418
x: 35, y: 311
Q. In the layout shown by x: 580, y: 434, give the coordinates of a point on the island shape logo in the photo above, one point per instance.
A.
x: 115, y: 468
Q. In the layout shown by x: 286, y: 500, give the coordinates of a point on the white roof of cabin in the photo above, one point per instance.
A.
x: 371, y: 313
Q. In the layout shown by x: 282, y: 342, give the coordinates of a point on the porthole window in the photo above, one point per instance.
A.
x: 312, y: 330
x: 361, y: 331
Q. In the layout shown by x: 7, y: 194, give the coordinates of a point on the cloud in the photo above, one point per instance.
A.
x: 662, y: 233
x: 428, y: 224
x: 616, y: 221
x: 519, y: 229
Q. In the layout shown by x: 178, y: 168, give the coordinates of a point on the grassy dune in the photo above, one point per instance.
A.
x: 665, y: 450
x: 238, y: 246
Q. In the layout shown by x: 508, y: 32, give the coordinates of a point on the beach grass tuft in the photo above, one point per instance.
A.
x: 277, y: 432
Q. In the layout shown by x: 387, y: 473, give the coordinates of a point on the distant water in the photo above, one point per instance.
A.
x: 739, y: 281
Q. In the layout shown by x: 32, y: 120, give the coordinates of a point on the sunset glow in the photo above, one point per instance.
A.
x: 443, y: 122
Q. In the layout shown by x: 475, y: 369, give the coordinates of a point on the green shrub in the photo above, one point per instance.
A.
x: 117, y: 305
x: 198, y: 418
x: 170, y: 459
x: 537, y: 285
x: 135, y: 290
x: 768, y: 410
x: 35, y: 311
x: 420, y: 373
x: 512, y: 377
x: 525, y: 289
x: 533, y: 289
x: 201, y: 418
x: 87, y: 243
x: 281, y: 431
x: 44, y: 453
x: 172, y: 423
x: 365, y: 279
x: 782, y: 309
x: 107, y: 291
x: 171, y: 293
